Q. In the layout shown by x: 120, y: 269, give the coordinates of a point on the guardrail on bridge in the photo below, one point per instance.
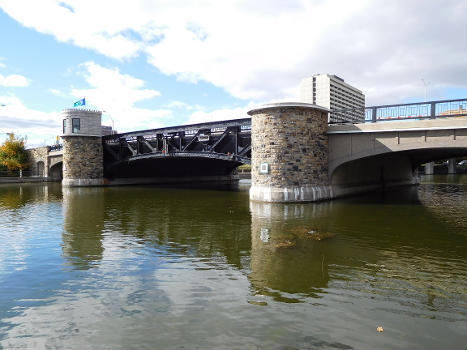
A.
x: 416, y: 110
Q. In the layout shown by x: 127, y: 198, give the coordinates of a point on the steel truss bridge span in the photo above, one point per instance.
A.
x: 205, y: 149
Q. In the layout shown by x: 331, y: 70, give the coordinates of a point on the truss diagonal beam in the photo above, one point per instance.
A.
x: 191, y: 141
x: 124, y: 143
x: 111, y: 151
x: 224, y: 134
x: 244, y: 151
x: 142, y: 140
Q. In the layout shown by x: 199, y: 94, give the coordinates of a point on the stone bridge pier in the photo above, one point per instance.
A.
x: 289, y: 153
x: 82, y: 148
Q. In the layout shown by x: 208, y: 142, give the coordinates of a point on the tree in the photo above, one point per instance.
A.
x: 13, y: 154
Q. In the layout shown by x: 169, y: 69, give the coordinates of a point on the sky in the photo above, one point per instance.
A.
x: 155, y: 63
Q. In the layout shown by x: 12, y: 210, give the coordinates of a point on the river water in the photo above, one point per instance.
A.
x: 151, y: 267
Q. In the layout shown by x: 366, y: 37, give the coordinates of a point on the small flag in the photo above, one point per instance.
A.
x: 81, y: 102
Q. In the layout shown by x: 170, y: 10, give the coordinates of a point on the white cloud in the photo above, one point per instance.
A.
x: 40, y: 128
x: 14, y: 80
x: 57, y: 92
x: 259, y: 50
x: 201, y: 116
x: 117, y: 94
x: 179, y: 104
x: 98, y: 25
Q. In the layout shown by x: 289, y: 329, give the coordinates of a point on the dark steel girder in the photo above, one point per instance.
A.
x: 232, y: 158
x: 226, y: 140
x: 239, y: 160
x: 245, y: 122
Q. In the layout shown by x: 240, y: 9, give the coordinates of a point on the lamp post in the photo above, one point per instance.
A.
x: 426, y: 83
x: 108, y: 115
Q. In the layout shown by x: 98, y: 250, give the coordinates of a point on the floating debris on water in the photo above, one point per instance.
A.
x: 284, y: 244
x: 257, y: 302
x: 303, y: 232
x: 300, y: 231
x: 319, y: 236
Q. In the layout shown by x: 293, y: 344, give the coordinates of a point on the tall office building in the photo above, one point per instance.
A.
x: 332, y: 92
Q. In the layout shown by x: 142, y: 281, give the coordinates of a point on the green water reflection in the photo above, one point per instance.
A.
x: 172, y: 267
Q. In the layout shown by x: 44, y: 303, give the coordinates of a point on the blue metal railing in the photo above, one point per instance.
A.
x: 417, y: 110
x: 55, y: 148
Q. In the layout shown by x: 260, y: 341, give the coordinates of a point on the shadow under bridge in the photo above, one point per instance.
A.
x: 209, y: 151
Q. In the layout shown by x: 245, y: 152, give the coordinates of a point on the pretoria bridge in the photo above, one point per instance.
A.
x: 295, y: 154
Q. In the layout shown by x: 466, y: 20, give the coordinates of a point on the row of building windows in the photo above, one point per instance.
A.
x: 350, y: 96
x: 75, y: 125
x: 341, y: 105
x: 346, y: 91
x: 347, y: 97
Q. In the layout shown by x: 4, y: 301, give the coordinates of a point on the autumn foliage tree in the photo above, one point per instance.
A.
x: 13, y: 153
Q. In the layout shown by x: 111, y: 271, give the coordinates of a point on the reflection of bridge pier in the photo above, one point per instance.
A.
x: 83, y: 212
x: 288, y: 249
x: 451, y: 167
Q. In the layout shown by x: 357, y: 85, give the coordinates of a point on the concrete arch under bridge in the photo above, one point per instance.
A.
x: 364, y: 157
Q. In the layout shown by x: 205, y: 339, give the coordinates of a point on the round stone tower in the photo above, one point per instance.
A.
x: 289, y: 153
x: 83, y: 162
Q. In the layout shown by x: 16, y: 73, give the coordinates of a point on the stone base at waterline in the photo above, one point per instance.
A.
x: 314, y: 193
x: 306, y: 193
x: 82, y: 182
